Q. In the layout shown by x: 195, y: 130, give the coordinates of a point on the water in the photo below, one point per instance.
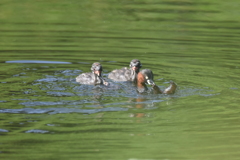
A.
x: 45, y: 114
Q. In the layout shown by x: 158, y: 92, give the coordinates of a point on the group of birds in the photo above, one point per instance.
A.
x: 133, y: 74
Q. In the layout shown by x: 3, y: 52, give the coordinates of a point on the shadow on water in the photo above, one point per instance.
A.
x: 68, y: 96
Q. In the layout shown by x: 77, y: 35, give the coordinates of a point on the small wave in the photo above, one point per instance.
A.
x: 61, y: 110
x: 36, y: 131
x: 35, y: 61
x: 3, y: 130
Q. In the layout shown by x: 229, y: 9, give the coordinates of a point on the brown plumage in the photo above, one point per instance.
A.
x: 145, y: 76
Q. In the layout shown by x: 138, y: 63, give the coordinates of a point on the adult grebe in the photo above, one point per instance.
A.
x: 146, y: 76
x: 126, y: 74
x: 92, y: 78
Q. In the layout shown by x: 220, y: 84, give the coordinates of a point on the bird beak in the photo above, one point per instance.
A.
x: 97, y: 73
x: 134, y: 68
x: 149, y: 81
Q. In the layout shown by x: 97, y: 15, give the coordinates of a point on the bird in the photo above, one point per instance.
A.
x: 94, y: 77
x: 126, y: 74
x: 145, y: 76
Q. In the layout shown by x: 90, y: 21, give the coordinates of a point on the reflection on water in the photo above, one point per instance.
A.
x: 45, y: 114
x: 89, y: 99
x: 32, y: 61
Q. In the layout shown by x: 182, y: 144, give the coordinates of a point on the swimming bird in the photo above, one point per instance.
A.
x: 126, y: 74
x: 92, y: 78
x: 145, y: 76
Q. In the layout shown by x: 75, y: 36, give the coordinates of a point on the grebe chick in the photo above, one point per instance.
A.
x: 92, y: 78
x: 145, y: 76
x: 126, y: 74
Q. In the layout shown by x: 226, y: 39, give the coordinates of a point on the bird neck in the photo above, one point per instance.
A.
x: 98, y: 79
x: 142, y: 87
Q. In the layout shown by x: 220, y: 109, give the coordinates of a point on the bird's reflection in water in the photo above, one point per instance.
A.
x: 143, y: 103
x: 97, y: 97
x: 139, y: 105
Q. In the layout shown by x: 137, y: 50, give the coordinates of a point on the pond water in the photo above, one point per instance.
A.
x: 45, y: 114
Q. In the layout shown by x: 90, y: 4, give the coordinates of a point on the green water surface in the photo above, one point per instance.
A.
x: 44, y: 114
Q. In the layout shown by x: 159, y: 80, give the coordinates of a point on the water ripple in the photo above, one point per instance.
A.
x: 36, y: 131
x: 61, y: 110
x: 3, y: 130
x: 37, y: 61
